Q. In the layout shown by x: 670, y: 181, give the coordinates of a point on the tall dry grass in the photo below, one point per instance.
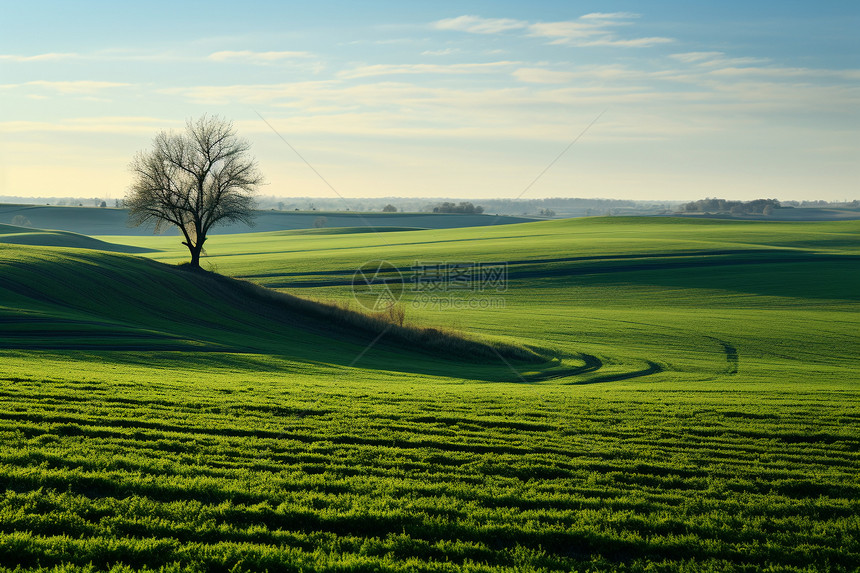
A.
x: 391, y: 323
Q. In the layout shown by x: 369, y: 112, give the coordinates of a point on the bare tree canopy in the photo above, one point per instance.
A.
x: 194, y: 180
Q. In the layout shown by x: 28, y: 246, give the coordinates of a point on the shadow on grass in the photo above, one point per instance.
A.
x: 148, y: 313
x: 12, y: 235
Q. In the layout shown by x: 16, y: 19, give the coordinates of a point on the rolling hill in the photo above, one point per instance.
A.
x: 698, y: 289
x: 78, y: 299
x: 113, y: 221
x: 12, y: 235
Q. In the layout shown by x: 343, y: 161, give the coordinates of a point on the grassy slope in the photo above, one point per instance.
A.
x: 677, y: 292
x: 12, y: 235
x: 73, y: 300
x: 742, y: 454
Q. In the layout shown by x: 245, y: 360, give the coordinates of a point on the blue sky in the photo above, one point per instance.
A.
x: 458, y: 99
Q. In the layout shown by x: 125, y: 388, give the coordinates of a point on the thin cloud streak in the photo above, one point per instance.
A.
x: 610, y: 16
x: 249, y: 56
x: 107, y: 124
x: 543, y: 76
x: 76, y: 87
x: 478, y: 25
x: 51, y: 56
x: 589, y: 30
x: 445, y: 52
x: 399, y: 69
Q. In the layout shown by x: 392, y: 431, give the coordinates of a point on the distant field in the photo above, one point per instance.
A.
x: 792, y: 214
x: 701, y: 410
x: 110, y: 221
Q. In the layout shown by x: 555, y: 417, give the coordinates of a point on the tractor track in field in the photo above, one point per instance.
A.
x: 592, y: 364
x: 731, y: 353
x: 652, y: 368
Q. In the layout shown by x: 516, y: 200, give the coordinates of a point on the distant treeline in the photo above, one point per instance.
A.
x: 855, y: 204
x: 560, y: 206
x: 755, y: 207
x: 548, y: 207
x: 463, y: 207
x: 62, y: 201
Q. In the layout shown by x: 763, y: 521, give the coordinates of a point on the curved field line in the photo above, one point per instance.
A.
x: 592, y: 363
x: 731, y: 356
x: 653, y: 368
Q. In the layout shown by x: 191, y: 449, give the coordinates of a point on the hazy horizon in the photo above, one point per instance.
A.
x: 345, y: 201
x: 467, y: 99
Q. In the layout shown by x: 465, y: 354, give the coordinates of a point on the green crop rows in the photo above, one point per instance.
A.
x: 427, y: 479
x: 437, y: 478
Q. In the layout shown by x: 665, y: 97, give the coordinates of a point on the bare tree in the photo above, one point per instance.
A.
x: 194, y: 180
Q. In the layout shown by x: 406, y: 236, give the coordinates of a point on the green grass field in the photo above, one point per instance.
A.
x: 697, y: 407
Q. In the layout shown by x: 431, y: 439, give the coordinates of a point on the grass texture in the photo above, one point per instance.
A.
x: 695, y: 407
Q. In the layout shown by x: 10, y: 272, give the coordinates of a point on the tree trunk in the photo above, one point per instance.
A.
x: 195, y: 255
x: 195, y: 247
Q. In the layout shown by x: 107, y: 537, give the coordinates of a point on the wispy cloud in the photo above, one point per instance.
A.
x: 565, y: 31
x: 478, y: 25
x: 678, y: 101
x: 630, y: 43
x: 718, y: 64
x: 50, y: 56
x: 444, y: 52
x: 594, y: 29
x: 106, y: 124
x: 695, y: 57
x: 77, y: 87
x: 244, y: 56
x: 524, y: 113
x: 779, y: 72
x: 610, y: 16
x: 542, y: 76
x: 715, y: 59
x: 249, y: 56
x: 107, y: 55
x: 400, y: 69
x: 304, y: 94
